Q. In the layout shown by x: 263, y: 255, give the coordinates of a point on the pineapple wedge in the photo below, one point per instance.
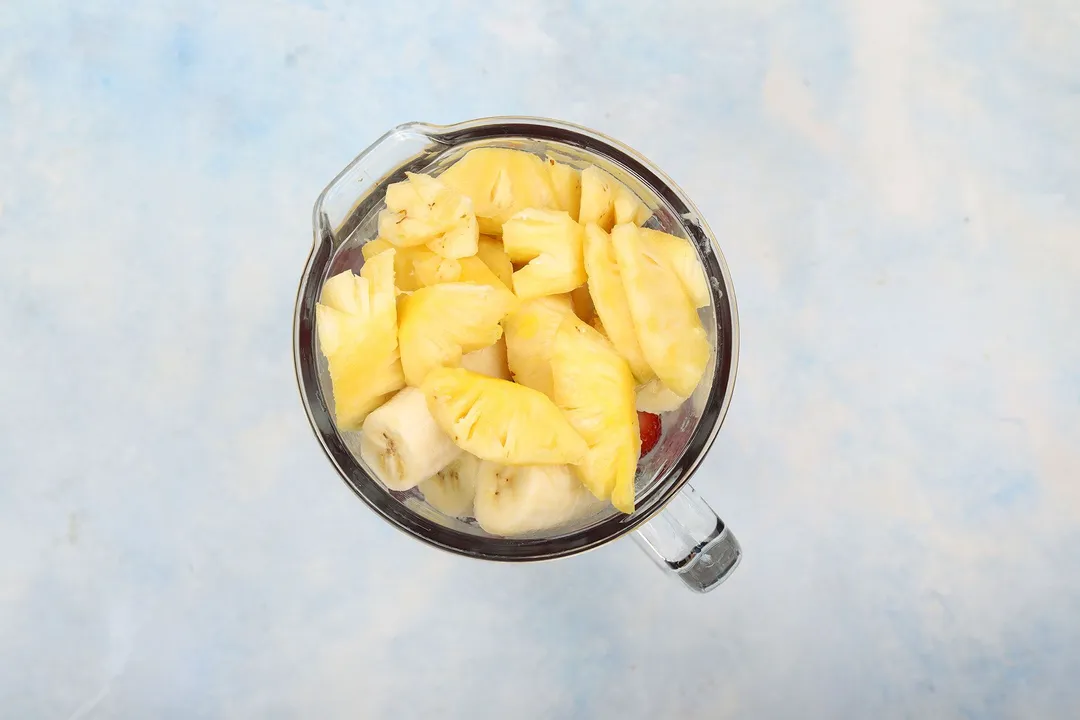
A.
x: 530, y: 337
x: 667, y: 324
x: 357, y: 329
x: 501, y: 421
x: 607, y: 202
x: 582, y: 303
x: 566, y: 182
x: 595, y: 390
x: 500, y: 182
x: 550, y: 243
x: 439, y: 324
x: 491, y: 252
x: 490, y: 361
x: 404, y: 274
x: 433, y: 269
x: 683, y: 260
x: 423, y: 211
x: 609, y: 297
x: 474, y: 270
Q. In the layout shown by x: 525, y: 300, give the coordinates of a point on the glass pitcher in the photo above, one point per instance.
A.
x: 677, y: 528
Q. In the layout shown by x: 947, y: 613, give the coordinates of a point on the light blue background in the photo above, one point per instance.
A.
x: 896, y: 186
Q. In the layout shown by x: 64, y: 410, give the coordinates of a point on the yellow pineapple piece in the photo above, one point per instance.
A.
x: 609, y: 297
x: 653, y: 397
x: 665, y: 319
x: 595, y: 390
x: 404, y: 275
x: 356, y: 324
x: 583, y: 304
x: 490, y: 361
x: 683, y: 260
x: 550, y: 243
x: 566, y: 182
x: 530, y: 338
x: 433, y: 269
x: 501, y: 421
x: 423, y: 211
x: 440, y: 323
x: 491, y: 252
x: 500, y: 182
x: 607, y: 202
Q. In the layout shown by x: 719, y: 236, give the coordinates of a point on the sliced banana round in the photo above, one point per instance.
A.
x: 452, y: 489
x: 517, y: 499
x: 402, y: 443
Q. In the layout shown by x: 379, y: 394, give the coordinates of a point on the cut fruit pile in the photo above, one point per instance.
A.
x: 512, y: 338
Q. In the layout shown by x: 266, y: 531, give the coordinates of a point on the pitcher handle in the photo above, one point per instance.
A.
x: 689, y: 540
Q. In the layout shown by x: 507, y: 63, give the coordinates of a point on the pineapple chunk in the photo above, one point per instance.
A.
x: 549, y: 241
x: 667, y: 324
x: 474, y: 270
x: 530, y: 337
x: 433, y: 269
x: 440, y: 323
x: 583, y: 304
x: 653, y: 397
x: 607, y: 202
x: 595, y: 390
x: 609, y: 297
x: 491, y: 252
x: 490, y: 361
x: 357, y: 329
x: 500, y: 182
x: 683, y: 260
x: 423, y: 211
x: 501, y: 421
x: 404, y: 274
x: 566, y: 182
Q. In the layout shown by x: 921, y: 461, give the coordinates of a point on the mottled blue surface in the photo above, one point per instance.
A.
x: 897, y: 188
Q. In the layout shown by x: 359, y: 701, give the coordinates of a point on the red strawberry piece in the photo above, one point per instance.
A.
x: 649, y: 425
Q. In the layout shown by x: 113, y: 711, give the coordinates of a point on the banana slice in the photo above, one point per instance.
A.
x: 452, y: 489
x: 402, y: 443
x: 516, y: 499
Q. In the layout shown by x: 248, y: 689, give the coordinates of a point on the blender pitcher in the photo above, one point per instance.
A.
x: 674, y: 526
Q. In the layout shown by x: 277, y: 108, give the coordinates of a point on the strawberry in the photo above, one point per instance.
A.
x: 650, y: 431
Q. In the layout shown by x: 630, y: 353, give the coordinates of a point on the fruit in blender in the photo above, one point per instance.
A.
x: 665, y: 320
x: 595, y: 390
x: 683, y: 260
x: 549, y: 242
x: 607, y: 202
x: 653, y: 397
x: 500, y: 182
x: 518, y: 499
x: 566, y: 181
x: 439, y: 324
x: 609, y: 298
x: 535, y: 357
x: 501, y: 421
x: 402, y: 443
x: 422, y: 210
x: 356, y: 324
x: 651, y: 429
x: 530, y: 339
x: 491, y: 253
x: 451, y: 490
x: 490, y: 361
